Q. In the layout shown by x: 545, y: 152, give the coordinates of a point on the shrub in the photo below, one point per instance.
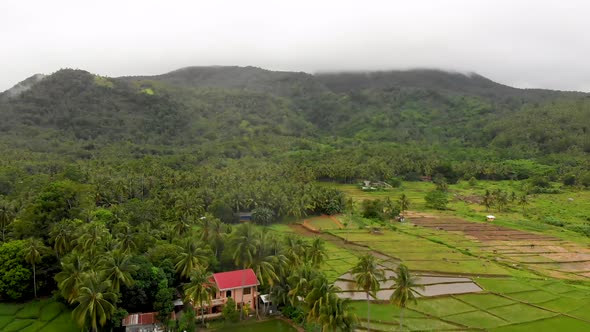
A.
x: 436, y: 199
x: 229, y: 312
x: 569, y: 179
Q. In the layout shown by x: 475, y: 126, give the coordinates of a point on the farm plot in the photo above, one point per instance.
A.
x: 339, y: 261
x: 43, y: 315
x: 422, y: 254
x: 541, y: 253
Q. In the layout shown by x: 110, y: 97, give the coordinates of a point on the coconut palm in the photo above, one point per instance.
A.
x: 405, y: 290
x: 192, y: 257
x: 316, y: 252
x: 62, y: 234
x: 200, y: 289
x: 91, y: 236
x: 336, y: 315
x: 404, y: 203
x: 126, y: 237
x: 73, y: 267
x: 96, y: 302
x: 367, y: 275
x: 244, y: 243
x: 33, y: 252
x: 319, y: 296
x: 117, y: 268
x: 7, y: 214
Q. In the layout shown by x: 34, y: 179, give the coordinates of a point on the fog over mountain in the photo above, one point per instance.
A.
x: 528, y: 44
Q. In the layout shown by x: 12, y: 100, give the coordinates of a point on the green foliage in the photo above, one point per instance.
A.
x: 229, y: 311
x: 15, y: 277
x: 436, y: 199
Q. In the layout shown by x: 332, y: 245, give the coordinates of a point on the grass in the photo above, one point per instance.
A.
x: 484, y: 301
x: 422, y: 254
x: 39, y: 315
x: 541, y: 206
x: 273, y: 325
x: 559, y: 323
x: 520, y: 312
x: 323, y: 223
x: 477, y: 319
x: 443, y: 306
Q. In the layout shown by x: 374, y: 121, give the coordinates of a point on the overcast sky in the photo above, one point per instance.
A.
x: 544, y: 44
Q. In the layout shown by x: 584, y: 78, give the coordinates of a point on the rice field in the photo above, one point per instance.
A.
x: 36, y: 316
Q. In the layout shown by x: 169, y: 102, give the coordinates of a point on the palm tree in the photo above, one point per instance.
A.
x: 73, y: 267
x: 367, y: 275
x: 126, y: 237
x: 200, y: 289
x: 404, y: 203
x: 404, y: 291
x: 335, y: 315
x: 244, y: 243
x: 61, y: 235
x: 96, y: 302
x: 33, y: 251
x: 117, y: 268
x: 318, y: 295
x: 91, y: 237
x: 191, y: 258
x: 523, y: 201
x: 7, y: 214
x: 316, y: 252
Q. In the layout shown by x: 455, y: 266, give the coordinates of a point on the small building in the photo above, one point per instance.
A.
x: 142, y: 322
x: 244, y: 216
x: 490, y: 217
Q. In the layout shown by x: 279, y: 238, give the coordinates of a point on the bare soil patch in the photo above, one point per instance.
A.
x: 542, y: 253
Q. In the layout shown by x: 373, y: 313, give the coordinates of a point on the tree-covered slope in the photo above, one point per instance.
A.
x: 254, y: 109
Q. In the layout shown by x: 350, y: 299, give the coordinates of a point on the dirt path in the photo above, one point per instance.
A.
x: 543, y: 254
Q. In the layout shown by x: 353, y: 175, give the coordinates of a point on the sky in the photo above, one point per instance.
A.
x: 522, y: 43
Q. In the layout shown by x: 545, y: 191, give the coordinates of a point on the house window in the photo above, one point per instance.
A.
x: 247, y: 291
x: 228, y: 293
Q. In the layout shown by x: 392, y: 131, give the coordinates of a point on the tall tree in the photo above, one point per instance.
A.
x: 200, y: 290
x: 70, y: 278
x: 404, y: 203
x: 96, y: 302
x: 367, y: 276
x: 316, y: 252
x: 34, y: 251
x: 117, y: 268
x: 244, y: 243
x: 62, y: 235
x: 405, y: 290
x: 7, y: 214
x: 191, y: 258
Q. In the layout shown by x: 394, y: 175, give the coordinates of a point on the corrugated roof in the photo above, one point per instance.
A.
x: 141, y: 319
x: 235, y: 279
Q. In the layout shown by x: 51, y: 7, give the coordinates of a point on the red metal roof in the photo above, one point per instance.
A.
x: 235, y: 279
x: 141, y: 319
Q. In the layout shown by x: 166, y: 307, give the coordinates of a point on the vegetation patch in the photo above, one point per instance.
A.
x: 484, y: 301
x: 477, y: 319
x: 520, y: 312
x: 441, y: 307
x: 559, y: 323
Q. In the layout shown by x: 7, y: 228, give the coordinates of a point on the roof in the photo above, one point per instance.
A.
x: 235, y: 279
x: 265, y: 298
x: 141, y: 319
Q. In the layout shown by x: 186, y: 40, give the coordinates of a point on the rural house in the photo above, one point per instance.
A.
x: 241, y: 285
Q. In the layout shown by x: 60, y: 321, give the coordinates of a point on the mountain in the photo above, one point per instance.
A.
x: 253, y: 79
x: 250, y: 109
x: 22, y: 86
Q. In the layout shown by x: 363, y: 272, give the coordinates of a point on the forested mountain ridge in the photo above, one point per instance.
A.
x: 199, y: 105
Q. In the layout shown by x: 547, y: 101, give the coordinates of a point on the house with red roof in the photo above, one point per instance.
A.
x: 240, y: 285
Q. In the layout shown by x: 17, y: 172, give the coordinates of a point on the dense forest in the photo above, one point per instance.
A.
x: 129, y: 168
